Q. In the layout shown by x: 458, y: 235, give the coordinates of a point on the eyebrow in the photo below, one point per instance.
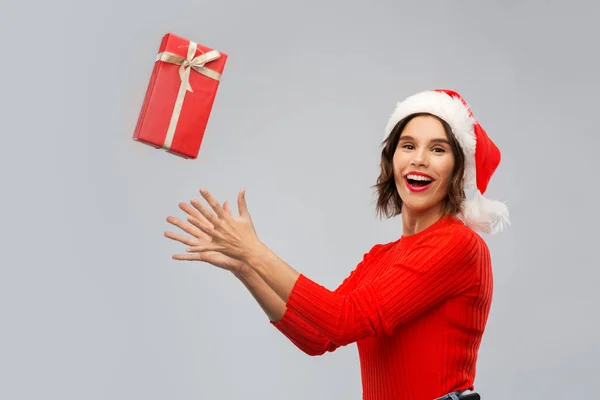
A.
x: 438, y: 140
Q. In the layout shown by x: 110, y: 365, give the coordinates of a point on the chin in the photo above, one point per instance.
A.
x: 420, y: 202
x: 419, y: 207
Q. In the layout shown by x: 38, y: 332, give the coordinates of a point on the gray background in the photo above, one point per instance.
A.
x: 93, y: 307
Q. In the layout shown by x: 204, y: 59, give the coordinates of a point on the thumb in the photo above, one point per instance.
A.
x: 242, y: 207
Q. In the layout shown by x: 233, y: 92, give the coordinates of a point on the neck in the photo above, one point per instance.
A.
x: 417, y: 221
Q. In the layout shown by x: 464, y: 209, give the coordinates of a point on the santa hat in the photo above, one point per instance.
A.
x: 482, y: 157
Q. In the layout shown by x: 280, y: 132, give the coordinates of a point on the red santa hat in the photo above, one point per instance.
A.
x: 482, y: 156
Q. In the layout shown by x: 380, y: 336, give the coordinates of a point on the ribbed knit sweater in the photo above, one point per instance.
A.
x: 416, y: 307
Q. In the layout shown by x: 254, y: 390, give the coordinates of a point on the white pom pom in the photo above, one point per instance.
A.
x: 485, y: 215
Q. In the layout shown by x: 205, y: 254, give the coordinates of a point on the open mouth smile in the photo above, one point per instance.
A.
x: 418, y: 181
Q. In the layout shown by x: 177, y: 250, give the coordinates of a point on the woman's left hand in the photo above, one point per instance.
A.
x: 233, y: 236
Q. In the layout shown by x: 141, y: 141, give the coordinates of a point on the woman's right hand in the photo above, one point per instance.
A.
x: 199, y: 238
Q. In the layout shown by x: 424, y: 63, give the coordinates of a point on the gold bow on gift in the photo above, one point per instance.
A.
x: 186, y: 65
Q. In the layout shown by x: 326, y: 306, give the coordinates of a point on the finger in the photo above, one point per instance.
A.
x: 190, y: 229
x: 188, y: 257
x: 213, y: 203
x: 210, y: 217
x: 206, y: 228
x: 194, y: 213
x: 204, y: 248
x: 190, y: 210
x: 242, y: 206
x: 208, y: 257
x: 226, y: 208
x: 188, y: 241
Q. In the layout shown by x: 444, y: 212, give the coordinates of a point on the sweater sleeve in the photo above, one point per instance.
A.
x: 435, y: 270
x: 306, y: 337
x: 303, y: 336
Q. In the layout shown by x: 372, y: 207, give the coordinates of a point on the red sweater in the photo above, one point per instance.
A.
x: 416, y: 307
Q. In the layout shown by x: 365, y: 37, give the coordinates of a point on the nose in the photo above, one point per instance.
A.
x: 419, y: 158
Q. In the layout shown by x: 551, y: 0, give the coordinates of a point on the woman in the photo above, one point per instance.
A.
x: 416, y: 307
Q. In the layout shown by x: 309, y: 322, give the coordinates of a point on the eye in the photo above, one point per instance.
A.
x: 439, y: 150
x: 408, y: 146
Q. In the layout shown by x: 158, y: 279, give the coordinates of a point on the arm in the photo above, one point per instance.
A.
x: 436, y: 270
x: 270, y: 303
x: 304, y: 336
x: 298, y: 331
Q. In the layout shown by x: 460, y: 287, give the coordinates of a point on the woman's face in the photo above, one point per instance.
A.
x: 423, y: 164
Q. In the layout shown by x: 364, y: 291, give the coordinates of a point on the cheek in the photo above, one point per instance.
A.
x: 396, y: 164
x: 445, y: 171
x: 398, y: 161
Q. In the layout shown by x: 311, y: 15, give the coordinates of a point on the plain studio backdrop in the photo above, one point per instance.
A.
x: 93, y: 307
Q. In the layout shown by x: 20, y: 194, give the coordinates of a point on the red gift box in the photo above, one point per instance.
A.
x: 180, y: 96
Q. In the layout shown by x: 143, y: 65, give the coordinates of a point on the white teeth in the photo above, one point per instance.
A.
x: 418, y: 178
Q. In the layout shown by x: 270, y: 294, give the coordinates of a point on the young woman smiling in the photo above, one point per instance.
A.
x: 416, y: 307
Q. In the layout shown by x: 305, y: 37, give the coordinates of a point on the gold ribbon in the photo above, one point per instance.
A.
x: 186, y: 65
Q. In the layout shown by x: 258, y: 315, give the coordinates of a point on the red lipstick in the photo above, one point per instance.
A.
x: 417, y: 185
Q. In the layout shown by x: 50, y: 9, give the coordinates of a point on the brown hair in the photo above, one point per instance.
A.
x: 389, y: 203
